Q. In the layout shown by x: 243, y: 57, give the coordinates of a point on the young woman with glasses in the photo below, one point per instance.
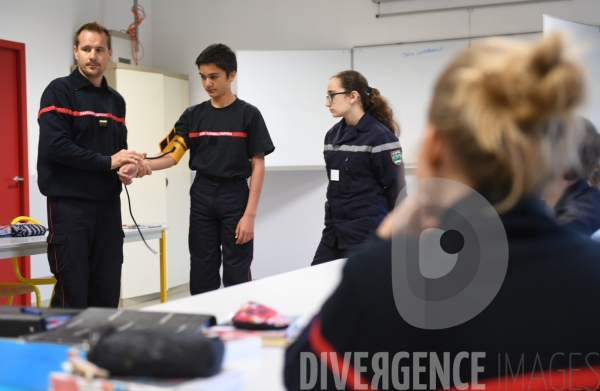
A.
x: 364, y: 164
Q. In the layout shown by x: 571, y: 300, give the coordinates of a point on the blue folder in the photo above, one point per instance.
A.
x: 27, y: 365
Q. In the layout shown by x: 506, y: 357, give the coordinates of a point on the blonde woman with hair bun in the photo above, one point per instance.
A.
x: 499, y: 130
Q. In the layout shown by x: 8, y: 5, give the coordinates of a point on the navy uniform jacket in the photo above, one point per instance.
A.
x: 81, y: 127
x: 368, y: 160
x: 579, y: 208
x: 545, y: 306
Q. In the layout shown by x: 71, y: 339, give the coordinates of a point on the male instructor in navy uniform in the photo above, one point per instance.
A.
x: 83, y: 141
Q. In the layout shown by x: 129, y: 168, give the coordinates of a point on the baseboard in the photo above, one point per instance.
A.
x: 180, y: 288
x: 138, y: 299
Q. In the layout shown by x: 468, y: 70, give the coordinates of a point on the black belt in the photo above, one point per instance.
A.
x: 219, y: 179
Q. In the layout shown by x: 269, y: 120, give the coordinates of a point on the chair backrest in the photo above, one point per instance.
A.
x: 24, y: 219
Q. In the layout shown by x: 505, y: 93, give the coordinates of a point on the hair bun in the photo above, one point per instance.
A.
x: 559, y: 85
x: 547, y: 54
x: 533, y: 82
x: 501, y: 105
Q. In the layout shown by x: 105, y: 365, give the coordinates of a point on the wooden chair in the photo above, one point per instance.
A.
x: 12, y: 289
x: 27, y: 283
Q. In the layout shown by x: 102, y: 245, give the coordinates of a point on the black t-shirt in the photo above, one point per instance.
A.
x: 223, y: 140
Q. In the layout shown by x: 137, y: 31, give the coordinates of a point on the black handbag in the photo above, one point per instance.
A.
x: 158, y: 354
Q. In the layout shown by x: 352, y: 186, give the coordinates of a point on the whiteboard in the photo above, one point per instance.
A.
x: 405, y: 74
x: 584, y: 41
x: 289, y: 88
x: 387, y: 7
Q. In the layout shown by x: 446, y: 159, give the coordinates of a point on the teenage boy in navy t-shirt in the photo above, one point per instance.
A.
x: 228, y: 141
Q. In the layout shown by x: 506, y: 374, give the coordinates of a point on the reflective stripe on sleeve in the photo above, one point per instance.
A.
x: 363, y: 148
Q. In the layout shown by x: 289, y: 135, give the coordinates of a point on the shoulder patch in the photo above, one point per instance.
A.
x: 396, y: 156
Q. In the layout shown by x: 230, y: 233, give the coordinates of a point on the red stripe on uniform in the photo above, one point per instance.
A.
x: 218, y: 134
x: 577, y: 378
x: 319, y: 345
x: 80, y: 113
x: 62, y: 290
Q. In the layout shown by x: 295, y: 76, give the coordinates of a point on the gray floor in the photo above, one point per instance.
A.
x: 170, y: 297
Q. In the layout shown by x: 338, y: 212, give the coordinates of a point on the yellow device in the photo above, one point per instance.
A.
x: 174, y: 145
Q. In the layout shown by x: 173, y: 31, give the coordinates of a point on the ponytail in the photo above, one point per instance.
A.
x: 379, y: 108
x: 370, y: 98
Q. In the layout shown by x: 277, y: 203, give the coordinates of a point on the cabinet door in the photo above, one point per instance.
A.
x: 144, y: 96
x: 178, y: 189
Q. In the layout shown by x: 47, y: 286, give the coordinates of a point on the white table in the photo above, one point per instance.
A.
x: 300, y: 292
x: 32, y: 245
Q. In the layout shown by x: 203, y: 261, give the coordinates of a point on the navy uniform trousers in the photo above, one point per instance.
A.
x: 217, y: 205
x: 328, y: 250
x: 85, y: 251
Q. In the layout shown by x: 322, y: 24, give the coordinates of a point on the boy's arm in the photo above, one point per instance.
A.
x: 245, y: 228
x: 130, y: 171
x: 175, y: 144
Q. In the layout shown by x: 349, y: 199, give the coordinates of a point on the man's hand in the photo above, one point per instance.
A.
x: 127, y: 173
x: 245, y: 230
x: 124, y: 157
x: 144, y: 170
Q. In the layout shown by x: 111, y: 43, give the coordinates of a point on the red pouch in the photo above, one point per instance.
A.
x: 254, y: 316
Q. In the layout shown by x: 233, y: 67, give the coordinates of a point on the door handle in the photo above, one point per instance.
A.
x: 18, y: 179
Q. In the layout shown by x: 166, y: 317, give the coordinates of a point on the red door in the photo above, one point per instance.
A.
x: 14, y: 175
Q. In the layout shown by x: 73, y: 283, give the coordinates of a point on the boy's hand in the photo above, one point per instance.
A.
x: 245, y: 230
x: 127, y: 173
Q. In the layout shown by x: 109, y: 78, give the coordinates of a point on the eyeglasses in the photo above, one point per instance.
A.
x: 330, y: 96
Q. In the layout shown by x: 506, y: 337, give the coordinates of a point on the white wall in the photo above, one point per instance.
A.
x: 289, y: 221
x: 117, y: 15
x: 182, y: 28
x: 176, y: 31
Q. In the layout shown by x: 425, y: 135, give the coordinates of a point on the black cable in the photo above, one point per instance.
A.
x: 136, y: 224
x: 129, y: 201
x: 158, y: 157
